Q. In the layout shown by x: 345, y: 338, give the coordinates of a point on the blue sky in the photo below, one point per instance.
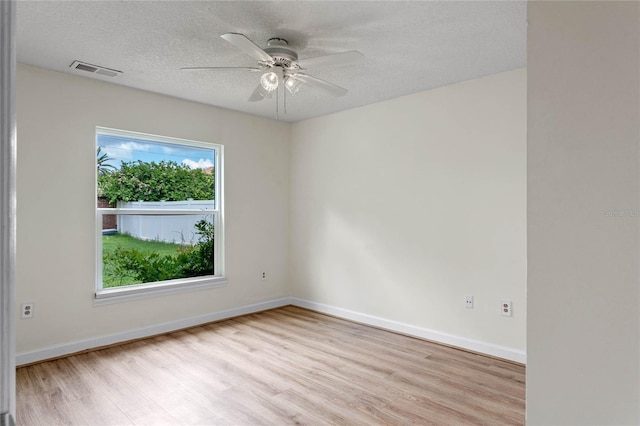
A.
x: 121, y: 149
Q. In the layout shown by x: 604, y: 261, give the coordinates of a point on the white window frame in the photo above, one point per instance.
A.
x: 135, y: 291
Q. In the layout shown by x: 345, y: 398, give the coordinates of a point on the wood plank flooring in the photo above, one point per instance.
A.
x: 284, y: 366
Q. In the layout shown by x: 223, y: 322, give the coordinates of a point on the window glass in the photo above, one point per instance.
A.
x: 158, y: 217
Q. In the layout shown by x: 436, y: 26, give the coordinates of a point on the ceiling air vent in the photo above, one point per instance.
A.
x: 96, y: 69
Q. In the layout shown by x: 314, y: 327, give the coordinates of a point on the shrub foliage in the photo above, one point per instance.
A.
x: 164, y: 181
x: 191, y: 261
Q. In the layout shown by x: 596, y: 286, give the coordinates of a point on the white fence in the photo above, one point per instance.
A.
x: 167, y: 228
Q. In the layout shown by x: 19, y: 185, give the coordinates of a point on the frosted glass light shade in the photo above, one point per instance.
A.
x: 292, y: 84
x: 269, y: 81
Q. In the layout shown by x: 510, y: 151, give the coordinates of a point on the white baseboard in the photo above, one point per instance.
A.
x: 408, y: 329
x: 110, y: 339
x: 498, y: 351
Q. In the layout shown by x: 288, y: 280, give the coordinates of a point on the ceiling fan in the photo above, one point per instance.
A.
x: 280, y: 67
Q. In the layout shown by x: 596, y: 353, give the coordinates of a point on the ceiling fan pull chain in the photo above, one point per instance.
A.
x: 277, y: 103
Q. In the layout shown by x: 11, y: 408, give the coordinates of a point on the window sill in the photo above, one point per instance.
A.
x: 144, y: 291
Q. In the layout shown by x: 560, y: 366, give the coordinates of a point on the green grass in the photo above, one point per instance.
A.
x: 110, y: 242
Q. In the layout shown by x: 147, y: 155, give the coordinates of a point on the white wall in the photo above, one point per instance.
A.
x: 583, y: 164
x: 57, y: 116
x: 401, y: 208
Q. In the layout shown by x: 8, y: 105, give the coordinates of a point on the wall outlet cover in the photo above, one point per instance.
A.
x: 468, y: 302
x: 505, y: 308
x: 26, y: 310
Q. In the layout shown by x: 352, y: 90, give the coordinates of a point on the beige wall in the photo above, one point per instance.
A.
x: 454, y: 226
x: 402, y: 208
x: 583, y: 202
x: 57, y: 116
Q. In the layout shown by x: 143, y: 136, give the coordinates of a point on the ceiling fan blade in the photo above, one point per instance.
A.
x: 322, y: 84
x: 220, y: 69
x: 344, y: 58
x: 259, y: 94
x: 246, y: 45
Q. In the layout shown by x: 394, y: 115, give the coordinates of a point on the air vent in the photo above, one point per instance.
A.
x: 95, y: 69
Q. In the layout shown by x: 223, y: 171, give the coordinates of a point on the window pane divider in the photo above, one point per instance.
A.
x: 154, y: 211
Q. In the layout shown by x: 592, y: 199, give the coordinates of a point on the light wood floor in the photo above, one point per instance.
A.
x: 285, y: 366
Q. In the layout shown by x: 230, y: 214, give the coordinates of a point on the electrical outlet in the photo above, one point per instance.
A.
x: 264, y: 276
x: 505, y: 308
x: 26, y: 310
x: 468, y: 302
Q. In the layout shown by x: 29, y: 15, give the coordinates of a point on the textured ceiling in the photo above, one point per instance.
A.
x: 408, y: 46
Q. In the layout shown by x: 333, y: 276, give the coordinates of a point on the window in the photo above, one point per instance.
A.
x: 159, y: 214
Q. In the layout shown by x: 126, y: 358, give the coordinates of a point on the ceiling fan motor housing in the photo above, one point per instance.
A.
x: 277, y: 48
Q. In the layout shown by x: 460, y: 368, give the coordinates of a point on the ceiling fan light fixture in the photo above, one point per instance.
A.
x: 269, y: 81
x: 278, y: 63
x: 292, y: 84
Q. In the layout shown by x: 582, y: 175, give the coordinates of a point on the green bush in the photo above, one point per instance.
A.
x: 132, y: 264
x: 198, y: 259
x: 164, y: 181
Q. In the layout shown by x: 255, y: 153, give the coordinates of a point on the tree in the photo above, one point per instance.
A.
x: 103, y: 163
x: 164, y: 181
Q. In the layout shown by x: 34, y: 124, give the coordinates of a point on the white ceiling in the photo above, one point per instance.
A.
x: 409, y: 46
